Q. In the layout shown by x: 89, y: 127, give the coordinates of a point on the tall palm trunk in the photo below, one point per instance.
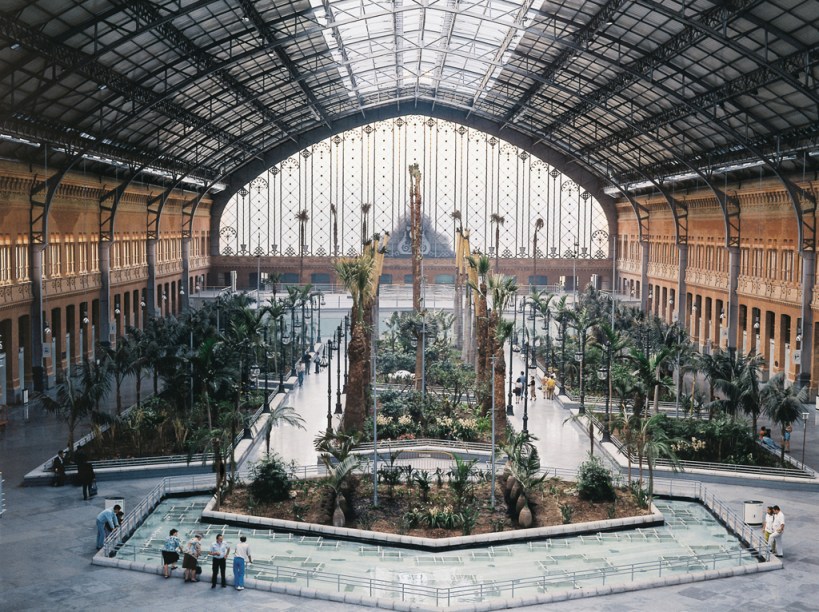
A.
x: 500, y: 403
x: 482, y: 335
x: 357, y: 379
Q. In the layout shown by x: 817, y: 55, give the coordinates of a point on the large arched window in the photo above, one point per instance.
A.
x: 357, y: 183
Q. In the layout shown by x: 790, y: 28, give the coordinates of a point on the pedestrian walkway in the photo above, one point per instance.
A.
x: 51, y: 531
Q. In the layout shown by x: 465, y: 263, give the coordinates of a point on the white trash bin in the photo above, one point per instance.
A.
x: 754, y: 512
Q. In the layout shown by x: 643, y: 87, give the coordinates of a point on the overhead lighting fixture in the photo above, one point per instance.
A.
x: 15, y: 45
x: 23, y: 141
x: 102, y: 86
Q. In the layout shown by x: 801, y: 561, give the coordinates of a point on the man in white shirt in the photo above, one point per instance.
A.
x: 767, y: 528
x: 219, y: 550
x: 775, y: 540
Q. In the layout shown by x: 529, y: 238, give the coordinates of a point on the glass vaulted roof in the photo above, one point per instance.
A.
x: 413, y: 50
x: 631, y: 94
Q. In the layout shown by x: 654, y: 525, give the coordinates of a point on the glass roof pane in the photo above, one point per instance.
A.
x: 389, y: 45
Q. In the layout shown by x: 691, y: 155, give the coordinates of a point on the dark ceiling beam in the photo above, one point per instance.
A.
x: 713, y: 28
x: 742, y: 85
x: 502, y: 48
x: 269, y: 37
x: 87, y: 66
x: 580, y: 38
x: 643, y: 67
x: 442, y: 55
x: 147, y: 12
x: 328, y: 9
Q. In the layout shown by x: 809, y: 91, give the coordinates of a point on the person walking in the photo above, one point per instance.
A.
x: 532, y: 391
x: 190, y: 560
x: 107, y: 517
x: 775, y: 539
x: 170, y: 552
x: 300, y: 372
x: 767, y: 526
x: 219, y: 550
x: 58, y: 467
x: 544, y: 385
x: 786, y: 441
x: 85, y: 475
x: 241, y: 558
x: 550, y: 387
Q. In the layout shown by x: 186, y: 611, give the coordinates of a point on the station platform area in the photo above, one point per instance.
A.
x: 51, y: 531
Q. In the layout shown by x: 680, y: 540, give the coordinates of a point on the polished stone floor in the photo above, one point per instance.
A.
x: 48, y: 533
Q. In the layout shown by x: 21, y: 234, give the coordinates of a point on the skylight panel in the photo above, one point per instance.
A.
x: 429, y: 43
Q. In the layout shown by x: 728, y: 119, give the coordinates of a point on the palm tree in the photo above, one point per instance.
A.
x: 614, y: 343
x: 355, y: 275
x: 334, y: 213
x: 783, y: 405
x: 76, y: 400
x: 302, y: 217
x: 365, y: 210
x: 538, y: 226
x: 737, y: 387
x: 137, y: 340
x: 648, y: 376
x: 481, y: 266
x: 498, y: 220
x: 654, y: 443
x: 582, y: 321
x: 120, y: 362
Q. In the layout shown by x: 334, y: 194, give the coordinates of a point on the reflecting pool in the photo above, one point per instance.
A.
x: 692, y: 540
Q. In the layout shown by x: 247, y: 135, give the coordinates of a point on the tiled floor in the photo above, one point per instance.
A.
x: 47, y: 533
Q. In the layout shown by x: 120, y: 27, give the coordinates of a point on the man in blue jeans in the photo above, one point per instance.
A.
x: 106, y: 517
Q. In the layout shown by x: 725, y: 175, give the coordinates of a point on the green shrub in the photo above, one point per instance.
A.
x: 566, y: 511
x: 594, y: 482
x: 269, y: 480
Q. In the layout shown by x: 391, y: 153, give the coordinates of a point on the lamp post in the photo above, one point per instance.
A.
x: 346, y: 333
x: 547, y: 325
x: 574, y: 278
x: 604, y: 373
x: 268, y: 353
x: 525, y: 389
x: 329, y: 349
x: 580, y: 356
x: 338, y: 370
x: 493, y: 433
x: 293, y: 331
x: 254, y: 374
x: 509, y: 410
x: 805, y: 417
x: 562, y: 339
x: 285, y: 340
x: 533, y: 342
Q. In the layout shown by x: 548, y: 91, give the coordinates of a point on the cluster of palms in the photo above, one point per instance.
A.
x: 201, y: 366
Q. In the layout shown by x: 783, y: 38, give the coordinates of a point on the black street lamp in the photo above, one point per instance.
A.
x: 509, y: 410
x: 285, y: 340
x: 525, y: 389
x: 267, y: 355
x: 604, y: 374
x: 561, y: 337
x: 338, y: 370
x: 329, y: 349
x: 580, y: 356
x: 346, y: 358
x: 255, y: 370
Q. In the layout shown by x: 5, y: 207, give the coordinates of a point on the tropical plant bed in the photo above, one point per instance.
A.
x: 404, y: 512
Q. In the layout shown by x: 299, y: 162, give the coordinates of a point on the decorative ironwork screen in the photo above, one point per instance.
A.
x: 363, y: 174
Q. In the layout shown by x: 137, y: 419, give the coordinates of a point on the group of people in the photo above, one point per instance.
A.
x: 773, y: 529
x: 85, y: 473
x: 520, y: 388
x: 219, y: 552
x: 766, y: 438
x: 547, y: 384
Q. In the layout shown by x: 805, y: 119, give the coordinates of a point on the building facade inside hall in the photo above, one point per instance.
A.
x: 101, y: 273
